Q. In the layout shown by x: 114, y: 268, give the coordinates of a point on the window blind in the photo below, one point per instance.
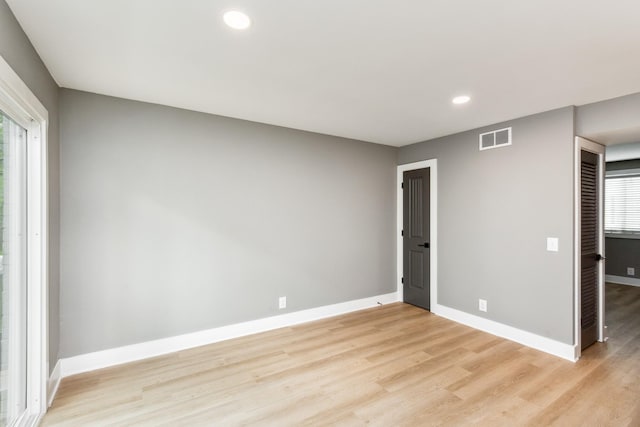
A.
x: 622, y: 204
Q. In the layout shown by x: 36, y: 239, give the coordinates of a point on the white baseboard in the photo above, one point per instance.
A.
x: 565, y: 351
x: 53, y: 383
x: 130, y: 353
x: 621, y: 280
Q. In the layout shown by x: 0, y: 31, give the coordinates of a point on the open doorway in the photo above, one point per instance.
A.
x: 621, y: 243
x: 622, y: 238
x: 622, y: 216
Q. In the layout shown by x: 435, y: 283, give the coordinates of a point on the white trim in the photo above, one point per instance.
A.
x: 130, y: 353
x: 622, y: 280
x: 548, y: 345
x: 37, y: 258
x: 17, y: 100
x: 593, y: 147
x: 433, y: 226
x: 53, y: 383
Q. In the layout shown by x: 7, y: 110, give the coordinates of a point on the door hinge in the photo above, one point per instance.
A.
x: 402, y: 280
x: 402, y: 185
x: 402, y: 233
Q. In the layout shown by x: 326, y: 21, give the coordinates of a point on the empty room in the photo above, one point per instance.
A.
x: 319, y: 213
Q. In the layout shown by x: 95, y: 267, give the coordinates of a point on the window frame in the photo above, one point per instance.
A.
x: 18, y: 102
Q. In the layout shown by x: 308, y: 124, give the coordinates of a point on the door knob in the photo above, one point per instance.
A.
x: 425, y: 245
x: 599, y: 257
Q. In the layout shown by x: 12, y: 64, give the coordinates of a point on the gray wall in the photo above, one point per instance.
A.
x: 623, y: 165
x: 16, y: 49
x: 174, y: 221
x: 622, y: 253
x: 495, y: 210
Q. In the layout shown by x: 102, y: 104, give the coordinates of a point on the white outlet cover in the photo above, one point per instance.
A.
x: 482, y: 305
x: 282, y: 302
x: 552, y: 244
x: 631, y: 271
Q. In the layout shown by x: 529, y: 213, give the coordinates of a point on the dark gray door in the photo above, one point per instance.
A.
x: 415, y: 237
x: 589, y: 249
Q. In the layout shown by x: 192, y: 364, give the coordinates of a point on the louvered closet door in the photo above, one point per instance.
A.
x: 589, y: 247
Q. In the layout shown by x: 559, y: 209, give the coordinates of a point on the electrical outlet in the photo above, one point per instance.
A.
x: 482, y: 305
x: 282, y: 302
x: 631, y: 271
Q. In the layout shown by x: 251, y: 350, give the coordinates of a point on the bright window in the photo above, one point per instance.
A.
x: 622, y: 204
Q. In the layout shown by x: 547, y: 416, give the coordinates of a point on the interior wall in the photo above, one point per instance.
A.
x: 622, y: 254
x: 623, y: 165
x: 17, y: 51
x: 496, y: 209
x: 175, y: 221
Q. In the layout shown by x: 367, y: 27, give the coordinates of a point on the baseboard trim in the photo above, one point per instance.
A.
x: 53, y: 383
x: 565, y: 351
x: 130, y: 353
x: 621, y: 280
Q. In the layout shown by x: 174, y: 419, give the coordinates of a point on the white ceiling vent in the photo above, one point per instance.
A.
x: 495, y: 139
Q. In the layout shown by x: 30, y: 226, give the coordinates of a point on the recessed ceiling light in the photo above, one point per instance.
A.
x: 237, y: 20
x: 463, y: 99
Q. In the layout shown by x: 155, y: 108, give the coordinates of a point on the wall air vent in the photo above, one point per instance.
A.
x: 495, y: 139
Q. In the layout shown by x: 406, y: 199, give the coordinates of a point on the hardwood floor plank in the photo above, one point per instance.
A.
x: 391, y: 365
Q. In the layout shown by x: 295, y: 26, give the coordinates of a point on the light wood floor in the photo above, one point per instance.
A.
x: 392, y: 365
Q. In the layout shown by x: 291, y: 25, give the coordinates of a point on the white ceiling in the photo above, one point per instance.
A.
x: 379, y: 71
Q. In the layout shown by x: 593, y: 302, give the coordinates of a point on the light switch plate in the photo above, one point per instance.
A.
x: 552, y: 244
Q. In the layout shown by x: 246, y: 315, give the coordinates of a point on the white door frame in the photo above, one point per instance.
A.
x: 432, y: 164
x: 17, y: 101
x: 592, y: 147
